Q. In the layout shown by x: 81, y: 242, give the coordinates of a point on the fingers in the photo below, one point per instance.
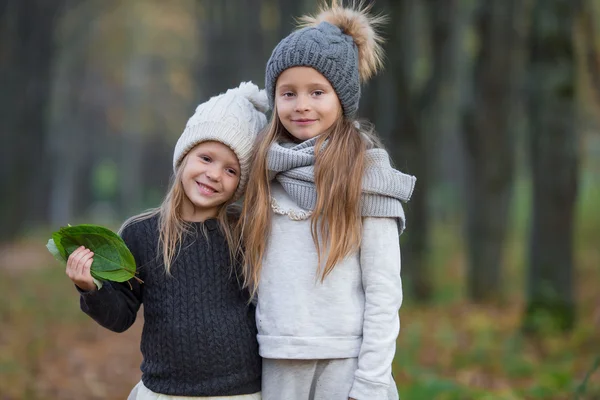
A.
x: 79, y: 264
x: 86, y: 257
x: 88, y: 265
x: 75, y: 256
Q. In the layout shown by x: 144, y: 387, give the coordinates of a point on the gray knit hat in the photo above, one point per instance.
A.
x: 341, y: 43
x: 234, y: 118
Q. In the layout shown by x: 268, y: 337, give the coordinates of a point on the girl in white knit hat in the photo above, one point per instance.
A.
x: 321, y: 220
x: 199, y: 335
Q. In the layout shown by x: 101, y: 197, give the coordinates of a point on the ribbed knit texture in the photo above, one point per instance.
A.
x: 383, y: 187
x: 199, y: 335
x: 328, y: 50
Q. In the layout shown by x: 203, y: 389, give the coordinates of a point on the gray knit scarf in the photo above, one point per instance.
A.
x: 383, y: 187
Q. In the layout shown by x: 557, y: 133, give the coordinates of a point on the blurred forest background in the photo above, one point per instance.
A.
x: 493, y: 105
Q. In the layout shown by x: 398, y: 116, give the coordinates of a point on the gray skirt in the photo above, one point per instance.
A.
x: 312, y: 379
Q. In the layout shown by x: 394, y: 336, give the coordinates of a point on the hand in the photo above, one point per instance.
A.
x: 78, y: 269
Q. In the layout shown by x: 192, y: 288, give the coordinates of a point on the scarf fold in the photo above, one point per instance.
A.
x: 383, y: 187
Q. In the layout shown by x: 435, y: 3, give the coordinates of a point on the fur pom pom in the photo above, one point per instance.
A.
x: 356, y: 22
x: 257, y: 97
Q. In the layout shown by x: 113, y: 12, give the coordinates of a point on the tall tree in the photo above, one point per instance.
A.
x: 72, y: 133
x: 65, y: 144
x: 253, y: 46
x: 411, y: 143
x: 27, y: 43
x: 554, y: 165
x: 137, y: 72
x: 589, y: 45
x: 408, y: 147
x: 489, y: 136
x: 225, y: 37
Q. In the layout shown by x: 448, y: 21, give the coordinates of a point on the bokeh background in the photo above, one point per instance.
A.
x: 492, y: 104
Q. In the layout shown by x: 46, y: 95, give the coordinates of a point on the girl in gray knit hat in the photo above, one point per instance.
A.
x: 321, y: 220
x: 199, y: 337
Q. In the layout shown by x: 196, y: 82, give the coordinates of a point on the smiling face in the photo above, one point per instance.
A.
x: 210, y: 178
x: 306, y: 103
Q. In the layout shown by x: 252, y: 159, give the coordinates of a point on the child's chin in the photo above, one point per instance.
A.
x: 303, y: 136
x: 207, y: 203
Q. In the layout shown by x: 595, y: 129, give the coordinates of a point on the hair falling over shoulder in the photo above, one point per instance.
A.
x: 172, y: 227
x: 255, y: 222
x: 336, y: 223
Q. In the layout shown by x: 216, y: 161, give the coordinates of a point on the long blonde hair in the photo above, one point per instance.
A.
x: 336, y: 223
x: 172, y: 227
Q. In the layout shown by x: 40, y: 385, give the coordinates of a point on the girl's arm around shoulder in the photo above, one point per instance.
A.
x: 380, y: 267
x: 115, y: 305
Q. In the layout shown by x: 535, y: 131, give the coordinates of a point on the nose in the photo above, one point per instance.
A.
x: 213, y: 174
x: 302, y: 104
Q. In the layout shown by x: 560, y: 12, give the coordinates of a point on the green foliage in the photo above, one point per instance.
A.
x: 548, y: 316
x: 452, y: 349
x: 432, y: 387
x: 105, y: 180
x: 581, y: 389
x: 112, y: 259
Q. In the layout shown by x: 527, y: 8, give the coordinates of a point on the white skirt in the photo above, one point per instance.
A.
x: 141, y: 392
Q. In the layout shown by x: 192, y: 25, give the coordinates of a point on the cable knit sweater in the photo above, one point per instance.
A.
x: 199, y: 335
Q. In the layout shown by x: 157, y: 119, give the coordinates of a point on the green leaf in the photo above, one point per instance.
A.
x: 112, y: 259
x: 59, y: 247
x: 53, y: 249
x: 121, y: 275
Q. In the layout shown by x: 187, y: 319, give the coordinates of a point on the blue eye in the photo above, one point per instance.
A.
x: 288, y: 94
x: 205, y: 158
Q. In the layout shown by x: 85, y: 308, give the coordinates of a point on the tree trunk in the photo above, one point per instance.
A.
x: 591, y: 52
x: 27, y: 30
x: 130, y: 164
x: 554, y: 165
x: 490, y: 140
x: 67, y: 145
x: 414, y: 135
x: 407, y: 149
x: 218, y: 66
x: 288, y: 10
x: 253, y: 45
x: 449, y: 22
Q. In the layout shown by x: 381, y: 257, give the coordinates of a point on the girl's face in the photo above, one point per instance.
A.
x: 210, y: 178
x: 306, y: 103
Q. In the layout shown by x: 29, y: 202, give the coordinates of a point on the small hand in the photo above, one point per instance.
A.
x: 78, y: 268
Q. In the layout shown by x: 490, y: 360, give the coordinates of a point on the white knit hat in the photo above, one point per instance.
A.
x: 233, y: 118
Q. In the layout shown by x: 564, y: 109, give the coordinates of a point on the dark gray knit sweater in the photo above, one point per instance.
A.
x: 199, y: 335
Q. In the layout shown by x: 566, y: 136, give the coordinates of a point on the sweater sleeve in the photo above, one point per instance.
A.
x: 380, y: 266
x: 115, y: 305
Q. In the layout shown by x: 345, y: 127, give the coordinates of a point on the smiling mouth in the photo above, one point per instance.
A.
x: 303, y: 121
x: 205, y: 189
